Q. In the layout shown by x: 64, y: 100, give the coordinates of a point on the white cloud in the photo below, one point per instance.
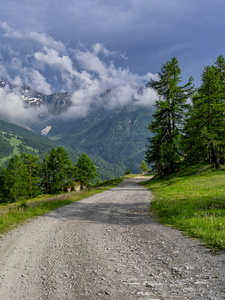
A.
x: 41, y: 38
x: 98, y: 48
x: 31, y: 77
x: 92, y: 75
x: 17, y: 81
x: 39, y: 83
x: 12, y: 109
x: 52, y: 58
x: 104, y: 85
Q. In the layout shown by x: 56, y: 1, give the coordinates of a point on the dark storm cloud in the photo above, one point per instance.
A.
x: 148, y: 31
x: 92, y: 44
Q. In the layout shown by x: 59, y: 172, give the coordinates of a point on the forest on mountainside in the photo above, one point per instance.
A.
x: 118, y: 136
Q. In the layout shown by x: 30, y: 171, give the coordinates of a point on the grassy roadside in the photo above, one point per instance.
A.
x: 15, y: 214
x: 193, y: 203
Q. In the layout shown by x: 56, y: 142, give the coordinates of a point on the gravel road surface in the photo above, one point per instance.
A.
x: 107, y: 247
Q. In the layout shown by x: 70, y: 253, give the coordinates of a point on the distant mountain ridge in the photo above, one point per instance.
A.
x: 56, y: 103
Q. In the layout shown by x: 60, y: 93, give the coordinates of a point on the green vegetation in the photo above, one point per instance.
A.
x: 110, y: 183
x: 186, y: 135
x: 127, y: 172
x: 85, y: 170
x: 9, y: 147
x: 193, y: 203
x: 15, y: 139
x: 164, y: 147
x: 24, y: 177
x: 194, y: 133
x: 13, y: 215
x: 144, y: 167
x: 204, y: 134
x: 117, y: 137
x: 56, y: 171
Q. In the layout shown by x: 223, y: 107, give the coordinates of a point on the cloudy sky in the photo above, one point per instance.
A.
x: 91, y: 46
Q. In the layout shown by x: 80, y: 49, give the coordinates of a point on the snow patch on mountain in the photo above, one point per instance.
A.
x: 46, y: 130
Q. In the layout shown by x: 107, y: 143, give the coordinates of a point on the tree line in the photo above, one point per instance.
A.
x: 26, y: 177
x: 189, y: 123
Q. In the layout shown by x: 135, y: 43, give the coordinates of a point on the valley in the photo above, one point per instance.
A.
x: 114, y: 139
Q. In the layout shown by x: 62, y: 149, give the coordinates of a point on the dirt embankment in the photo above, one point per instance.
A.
x: 107, y: 247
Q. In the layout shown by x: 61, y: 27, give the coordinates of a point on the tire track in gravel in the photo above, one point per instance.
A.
x: 107, y: 247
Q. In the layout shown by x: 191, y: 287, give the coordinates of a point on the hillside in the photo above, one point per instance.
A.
x: 15, y: 139
x: 119, y: 137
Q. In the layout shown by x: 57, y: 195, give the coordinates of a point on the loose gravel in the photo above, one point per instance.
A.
x: 107, y: 247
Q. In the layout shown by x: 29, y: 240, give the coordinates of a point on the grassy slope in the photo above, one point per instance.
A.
x: 194, y: 204
x: 15, y: 143
x: 23, y: 140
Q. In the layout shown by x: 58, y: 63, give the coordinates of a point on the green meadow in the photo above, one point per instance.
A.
x: 193, y: 203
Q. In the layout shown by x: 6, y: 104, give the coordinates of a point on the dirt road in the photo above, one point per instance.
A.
x: 107, y: 247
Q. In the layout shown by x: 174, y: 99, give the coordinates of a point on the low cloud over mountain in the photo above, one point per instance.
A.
x: 92, y: 75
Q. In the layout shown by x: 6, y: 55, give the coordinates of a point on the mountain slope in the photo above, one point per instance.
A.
x: 55, y: 103
x: 118, y: 137
x: 15, y: 139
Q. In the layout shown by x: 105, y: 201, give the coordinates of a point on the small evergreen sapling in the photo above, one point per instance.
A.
x: 144, y: 167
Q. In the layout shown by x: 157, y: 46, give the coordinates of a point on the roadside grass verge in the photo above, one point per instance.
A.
x: 14, y: 214
x: 194, y: 204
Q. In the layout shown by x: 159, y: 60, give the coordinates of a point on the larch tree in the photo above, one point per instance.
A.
x: 64, y: 167
x: 19, y: 180
x: 85, y: 170
x: 57, y: 170
x: 205, y: 128
x: 45, y: 174
x: 163, y: 149
x: 31, y: 175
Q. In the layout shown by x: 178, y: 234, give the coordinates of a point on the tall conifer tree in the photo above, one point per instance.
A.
x: 57, y: 170
x: 205, y: 128
x: 31, y: 174
x: 164, y: 149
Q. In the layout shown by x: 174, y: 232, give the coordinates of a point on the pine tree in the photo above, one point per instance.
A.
x: 13, y: 179
x: 85, y: 170
x: 64, y: 167
x: 57, y: 170
x: 31, y: 174
x: 205, y: 128
x: 45, y: 174
x: 164, y: 147
x: 127, y: 172
x: 53, y: 171
x: 144, y: 166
